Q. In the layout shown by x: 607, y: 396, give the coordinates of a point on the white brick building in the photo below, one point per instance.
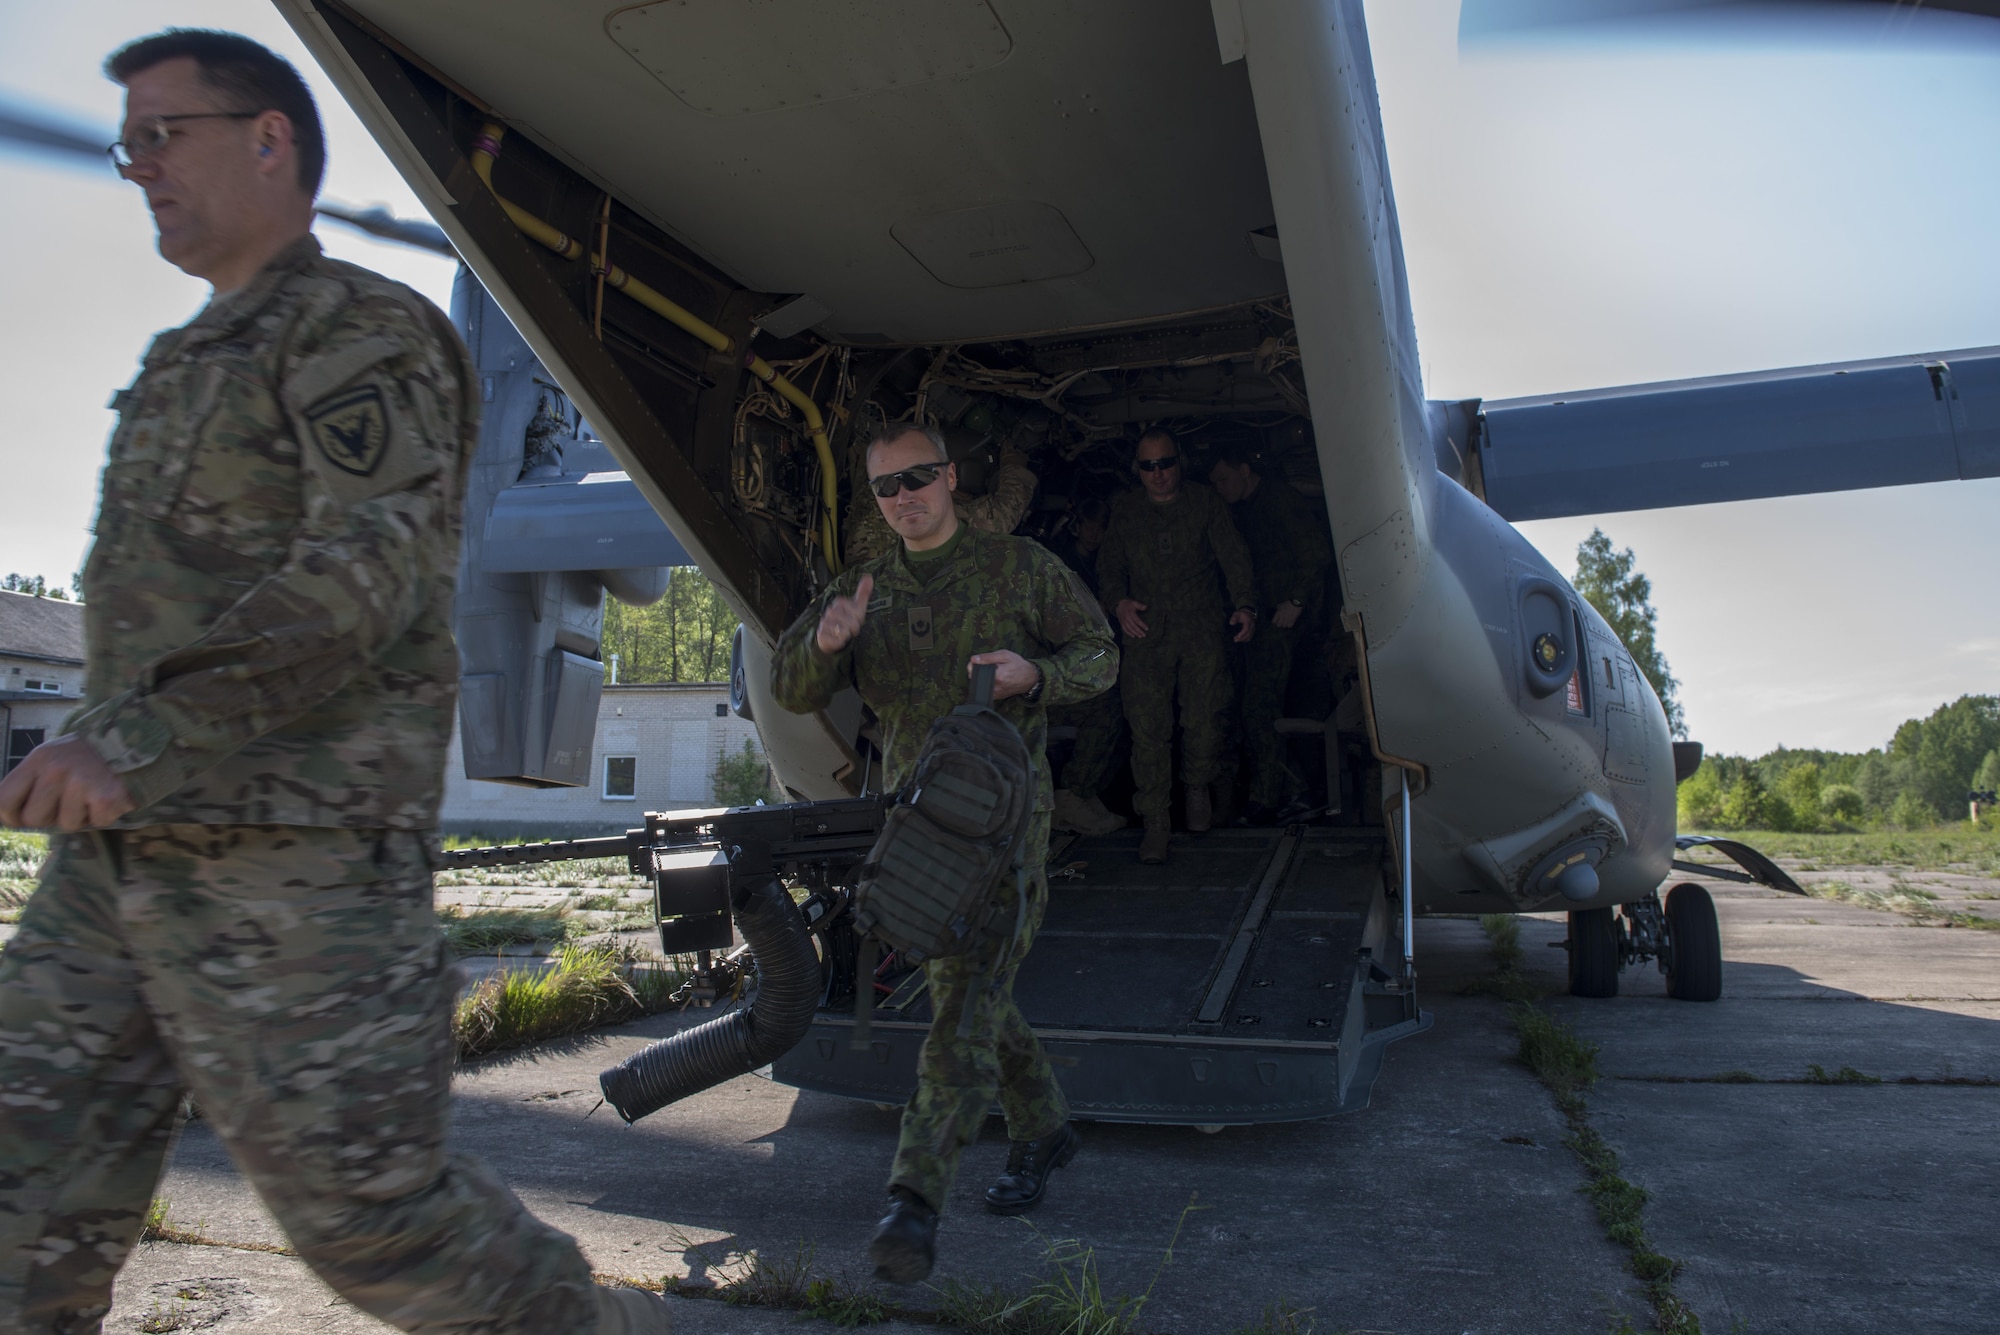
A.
x: 41, y: 671
x: 656, y: 750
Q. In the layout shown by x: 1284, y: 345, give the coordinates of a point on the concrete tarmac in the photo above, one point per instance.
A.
x: 1449, y: 1206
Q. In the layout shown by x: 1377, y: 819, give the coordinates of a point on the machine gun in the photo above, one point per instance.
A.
x: 708, y: 869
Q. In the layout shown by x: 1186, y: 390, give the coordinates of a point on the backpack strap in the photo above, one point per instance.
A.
x: 864, y: 994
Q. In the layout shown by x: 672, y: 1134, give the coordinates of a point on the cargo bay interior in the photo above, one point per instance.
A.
x: 1256, y: 975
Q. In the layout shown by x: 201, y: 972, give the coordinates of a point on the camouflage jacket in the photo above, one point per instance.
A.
x: 267, y: 607
x: 1289, y: 547
x: 1167, y: 555
x: 927, y: 618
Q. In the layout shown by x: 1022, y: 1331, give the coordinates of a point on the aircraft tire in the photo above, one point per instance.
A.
x: 1694, y: 967
x: 1594, y: 959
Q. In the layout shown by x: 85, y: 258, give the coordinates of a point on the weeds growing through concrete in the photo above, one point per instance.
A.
x: 1507, y: 982
x: 1846, y: 1075
x: 1282, y: 1318
x: 1912, y: 901
x: 482, y: 931
x: 587, y: 987
x: 1566, y: 1064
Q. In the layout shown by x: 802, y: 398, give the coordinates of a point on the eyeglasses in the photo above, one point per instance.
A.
x: 910, y: 479
x: 1159, y: 465
x: 150, y: 134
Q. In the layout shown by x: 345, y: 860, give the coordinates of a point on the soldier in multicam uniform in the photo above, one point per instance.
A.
x: 1158, y: 573
x: 239, y: 903
x: 1290, y: 553
x: 906, y: 628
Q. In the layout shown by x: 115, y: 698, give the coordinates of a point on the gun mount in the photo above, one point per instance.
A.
x: 716, y: 873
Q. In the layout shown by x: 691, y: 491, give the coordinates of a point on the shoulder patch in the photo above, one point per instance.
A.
x: 351, y: 429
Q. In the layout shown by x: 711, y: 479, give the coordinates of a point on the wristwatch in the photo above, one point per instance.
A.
x: 1293, y: 602
x: 1034, y: 694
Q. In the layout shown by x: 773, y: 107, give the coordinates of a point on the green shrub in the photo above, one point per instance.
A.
x: 743, y: 779
x: 1798, y: 796
x: 1700, y: 799
x: 1911, y: 812
x: 1842, y: 802
x: 1748, y: 805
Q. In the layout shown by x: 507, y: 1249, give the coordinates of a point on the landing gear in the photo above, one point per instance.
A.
x: 1693, y: 963
x: 1682, y: 936
x: 1595, y: 954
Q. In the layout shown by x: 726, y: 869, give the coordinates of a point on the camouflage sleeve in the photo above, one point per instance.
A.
x: 1004, y: 507
x: 1232, y: 554
x: 382, y: 409
x: 1084, y: 661
x: 803, y: 678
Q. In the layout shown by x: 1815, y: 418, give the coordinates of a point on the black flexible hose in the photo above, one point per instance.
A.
x: 788, y: 991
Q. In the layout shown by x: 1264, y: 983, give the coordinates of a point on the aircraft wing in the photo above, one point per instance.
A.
x: 1837, y: 427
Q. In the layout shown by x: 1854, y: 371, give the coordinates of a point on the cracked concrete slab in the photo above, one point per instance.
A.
x: 1447, y: 1206
x: 1450, y: 1205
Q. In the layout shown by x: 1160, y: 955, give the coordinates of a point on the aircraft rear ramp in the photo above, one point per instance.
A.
x: 1255, y: 977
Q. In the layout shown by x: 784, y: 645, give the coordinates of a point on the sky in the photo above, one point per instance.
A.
x: 1611, y: 206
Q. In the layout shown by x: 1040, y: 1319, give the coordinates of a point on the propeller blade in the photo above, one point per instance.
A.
x: 28, y: 128
x: 379, y: 222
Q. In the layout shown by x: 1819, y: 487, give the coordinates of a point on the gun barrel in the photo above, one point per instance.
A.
x: 554, y: 850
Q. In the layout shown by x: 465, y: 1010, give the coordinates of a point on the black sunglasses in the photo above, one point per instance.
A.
x: 910, y: 479
x: 1158, y: 465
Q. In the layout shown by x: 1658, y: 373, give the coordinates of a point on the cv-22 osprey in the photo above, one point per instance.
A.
x: 741, y: 238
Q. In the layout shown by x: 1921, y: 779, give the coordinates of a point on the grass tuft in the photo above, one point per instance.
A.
x: 1282, y: 1318
x: 1846, y: 1075
x: 1508, y: 983
x: 587, y: 987
x: 1912, y: 901
x: 483, y: 930
x: 1565, y: 1063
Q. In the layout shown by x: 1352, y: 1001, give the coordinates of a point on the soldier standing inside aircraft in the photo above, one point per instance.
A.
x: 1290, y: 553
x: 1100, y: 720
x: 1000, y: 510
x: 1158, y: 573
x: 906, y: 628
x: 240, y: 903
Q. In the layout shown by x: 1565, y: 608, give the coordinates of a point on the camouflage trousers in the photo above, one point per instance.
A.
x: 1182, y: 654
x: 958, y: 1077
x: 1100, y: 726
x: 293, y: 980
x: 1267, y: 673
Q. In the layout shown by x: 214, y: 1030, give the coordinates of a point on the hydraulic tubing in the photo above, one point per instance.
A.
x: 486, y: 149
x: 788, y: 992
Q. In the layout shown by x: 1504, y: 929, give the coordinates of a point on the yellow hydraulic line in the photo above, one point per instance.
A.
x: 487, y: 147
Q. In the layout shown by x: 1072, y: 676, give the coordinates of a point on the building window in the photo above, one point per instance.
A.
x: 621, y: 778
x: 20, y: 741
x: 722, y: 711
x: 46, y: 687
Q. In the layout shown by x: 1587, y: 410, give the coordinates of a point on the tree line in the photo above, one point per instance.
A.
x: 683, y: 637
x: 1918, y: 780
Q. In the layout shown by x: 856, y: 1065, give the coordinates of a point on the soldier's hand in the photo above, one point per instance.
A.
x: 1129, y: 620
x: 1245, y: 622
x: 1286, y: 616
x: 1013, y: 674
x: 843, y: 617
x: 63, y: 785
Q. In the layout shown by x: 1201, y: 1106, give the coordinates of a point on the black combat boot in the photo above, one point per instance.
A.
x: 905, y: 1245
x: 1029, y: 1165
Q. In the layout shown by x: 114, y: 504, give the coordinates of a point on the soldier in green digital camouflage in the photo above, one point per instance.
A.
x: 238, y: 903
x: 999, y: 510
x: 906, y: 629
x: 1169, y: 553
x: 1291, y: 555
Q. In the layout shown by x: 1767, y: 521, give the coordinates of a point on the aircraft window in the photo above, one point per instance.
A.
x: 621, y: 778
